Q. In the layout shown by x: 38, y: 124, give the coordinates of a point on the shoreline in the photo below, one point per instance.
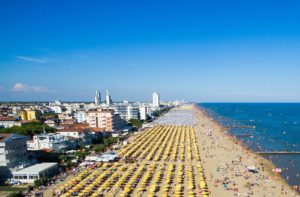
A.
x: 200, y: 113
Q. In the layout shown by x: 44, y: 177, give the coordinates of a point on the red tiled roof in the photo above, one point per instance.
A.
x: 71, y: 138
x: 75, y: 127
x: 94, y: 129
x: 29, y: 121
x: 78, y: 125
x: 100, y: 110
x: 7, y: 118
x: 47, y: 150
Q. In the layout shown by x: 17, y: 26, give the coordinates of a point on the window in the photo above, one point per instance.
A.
x: 33, y: 176
x: 20, y: 176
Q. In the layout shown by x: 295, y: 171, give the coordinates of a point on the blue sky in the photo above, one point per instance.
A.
x: 231, y: 51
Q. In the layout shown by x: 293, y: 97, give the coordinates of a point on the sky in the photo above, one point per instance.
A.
x: 201, y: 51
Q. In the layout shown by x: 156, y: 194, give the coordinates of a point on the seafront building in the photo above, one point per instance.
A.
x: 127, y: 111
x: 13, y: 153
x: 133, y: 112
x: 104, y: 118
x: 36, y: 171
x: 122, y: 110
x: 15, y: 162
x: 145, y: 112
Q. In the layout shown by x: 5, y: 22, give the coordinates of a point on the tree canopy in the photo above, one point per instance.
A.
x: 136, y: 123
x: 160, y: 112
x: 28, y: 129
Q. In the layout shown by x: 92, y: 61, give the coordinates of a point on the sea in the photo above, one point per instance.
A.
x: 264, y: 127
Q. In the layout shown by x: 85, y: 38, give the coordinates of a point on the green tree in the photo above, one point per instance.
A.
x: 40, y: 182
x: 37, y: 183
x: 136, y: 123
x: 99, y: 148
x: 28, y: 129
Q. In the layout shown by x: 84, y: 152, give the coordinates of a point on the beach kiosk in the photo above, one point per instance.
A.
x: 34, y: 172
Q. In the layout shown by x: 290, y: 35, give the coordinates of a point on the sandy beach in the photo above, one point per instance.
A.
x: 225, y: 161
x: 185, y: 153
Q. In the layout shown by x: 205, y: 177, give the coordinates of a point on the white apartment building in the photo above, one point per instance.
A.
x: 56, y: 109
x: 155, y: 100
x: 127, y: 111
x: 80, y: 116
x: 82, y: 136
x: 53, y: 141
x: 50, y: 123
x: 133, y: 112
x: 144, y: 111
x: 121, y: 109
x: 65, y: 116
x: 13, y: 153
x: 9, y: 121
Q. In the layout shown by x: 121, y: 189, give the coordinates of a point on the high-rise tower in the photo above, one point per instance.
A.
x: 97, y: 98
x: 108, y: 99
x: 155, y: 100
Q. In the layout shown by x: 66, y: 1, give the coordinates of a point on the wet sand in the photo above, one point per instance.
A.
x: 225, y: 161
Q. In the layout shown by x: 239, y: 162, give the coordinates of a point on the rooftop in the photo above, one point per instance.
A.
x: 8, y: 118
x: 75, y: 127
x: 36, y: 168
x: 4, y: 136
x: 111, y: 110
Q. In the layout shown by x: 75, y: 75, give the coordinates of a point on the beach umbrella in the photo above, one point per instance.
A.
x: 151, y: 195
x: 123, y: 194
x: 202, y: 184
x: 141, y: 189
x: 164, y: 195
x: 190, y: 187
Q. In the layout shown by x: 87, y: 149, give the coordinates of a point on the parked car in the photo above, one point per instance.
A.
x: 12, y: 182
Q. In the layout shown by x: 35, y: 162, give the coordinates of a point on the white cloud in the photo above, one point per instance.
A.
x: 31, y: 59
x: 20, y: 87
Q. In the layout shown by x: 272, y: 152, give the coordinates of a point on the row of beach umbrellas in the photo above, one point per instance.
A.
x: 167, y: 163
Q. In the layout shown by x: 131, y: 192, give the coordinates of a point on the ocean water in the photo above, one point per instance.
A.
x: 264, y: 127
